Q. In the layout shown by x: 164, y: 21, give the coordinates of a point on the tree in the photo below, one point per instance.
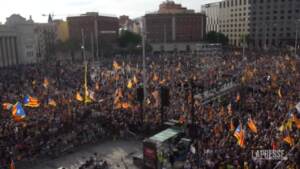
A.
x: 216, y: 37
x: 129, y: 40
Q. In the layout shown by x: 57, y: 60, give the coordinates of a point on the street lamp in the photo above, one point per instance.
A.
x: 144, y: 55
x: 296, y: 38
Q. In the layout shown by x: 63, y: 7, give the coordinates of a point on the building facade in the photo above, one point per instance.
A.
x: 18, y: 45
x: 176, y: 27
x: 211, y: 11
x: 100, y: 32
x: 126, y: 23
x: 261, y: 23
x: 168, y: 7
x: 9, y: 55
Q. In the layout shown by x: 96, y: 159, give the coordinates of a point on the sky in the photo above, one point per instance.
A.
x: 63, y: 8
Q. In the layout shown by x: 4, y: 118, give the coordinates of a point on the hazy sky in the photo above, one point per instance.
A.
x: 63, y: 8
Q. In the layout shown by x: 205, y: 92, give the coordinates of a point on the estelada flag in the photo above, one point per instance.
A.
x: 18, y: 112
x: 252, y: 125
x: 31, y: 101
x: 239, y: 134
x: 288, y: 139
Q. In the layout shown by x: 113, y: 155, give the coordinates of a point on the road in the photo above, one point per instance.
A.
x: 111, y: 151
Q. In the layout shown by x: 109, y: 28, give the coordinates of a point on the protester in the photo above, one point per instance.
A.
x: 267, y: 90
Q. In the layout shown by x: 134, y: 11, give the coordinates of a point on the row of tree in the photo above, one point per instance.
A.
x: 128, y: 43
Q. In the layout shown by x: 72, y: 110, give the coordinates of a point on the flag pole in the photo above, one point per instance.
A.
x: 85, y: 66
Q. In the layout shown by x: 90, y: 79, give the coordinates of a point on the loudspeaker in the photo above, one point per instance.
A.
x: 140, y: 94
x: 164, y: 96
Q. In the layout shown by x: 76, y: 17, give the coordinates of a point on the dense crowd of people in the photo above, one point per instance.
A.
x: 267, y: 90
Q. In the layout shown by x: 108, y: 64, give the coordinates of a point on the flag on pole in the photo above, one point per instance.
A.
x: 78, y: 97
x: 155, y: 77
x: 97, y: 86
x: 45, y: 83
x: 279, y: 93
x: 116, y: 66
x: 129, y: 84
x: 252, y: 125
x: 18, y: 112
x: 31, y: 101
x: 52, y: 102
x: 239, y: 134
x: 135, y: 80
x: 288, y: 139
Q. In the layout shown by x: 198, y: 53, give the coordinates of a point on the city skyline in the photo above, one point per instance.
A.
x: 62, y: 9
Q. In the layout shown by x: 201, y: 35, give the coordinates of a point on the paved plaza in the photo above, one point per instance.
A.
x: 111, y: 151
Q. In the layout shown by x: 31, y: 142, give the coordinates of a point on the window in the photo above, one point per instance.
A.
x: 245, y: 2
x: 275, y: 12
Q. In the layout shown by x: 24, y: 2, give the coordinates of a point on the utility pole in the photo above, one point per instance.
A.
x: 96, y: 39
x: 243, y: 46
x: 82, y: 45
x: 144, y: 57
x: 165, y: 37
x: 92, y: 46
x: 296, y: 39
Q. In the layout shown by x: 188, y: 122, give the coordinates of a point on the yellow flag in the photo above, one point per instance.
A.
x: 116, y: 66
x: 135, y: 80
x: 129, y: 84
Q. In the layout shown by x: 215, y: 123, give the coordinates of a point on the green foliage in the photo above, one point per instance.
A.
x: 129, y: 40
x: 216, y: 37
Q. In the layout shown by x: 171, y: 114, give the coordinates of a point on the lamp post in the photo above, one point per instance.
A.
x: 296, y: 38
x: 144, y: 57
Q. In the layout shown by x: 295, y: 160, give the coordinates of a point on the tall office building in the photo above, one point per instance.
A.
x: 101, y: 32
x: 17, y: 41
x: 212, y: 12
x: 174, y: 28
x: 264, y: 23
